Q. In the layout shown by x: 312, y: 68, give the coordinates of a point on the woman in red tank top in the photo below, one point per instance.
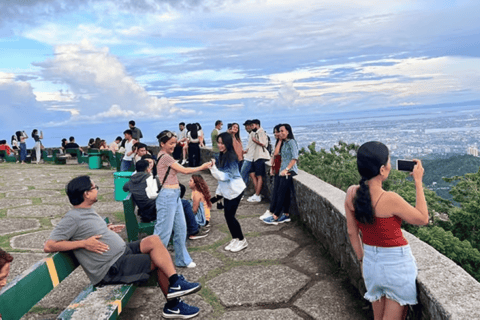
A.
x: 374, y: 217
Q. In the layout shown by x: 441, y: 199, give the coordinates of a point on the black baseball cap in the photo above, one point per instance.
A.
x: 247, y: 123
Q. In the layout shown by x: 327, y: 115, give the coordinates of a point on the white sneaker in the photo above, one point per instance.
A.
x: 191, y: 265
x: 239, y: 245
x: 231, y: 244
x: 254, y: 198
x: 266, y: 215
x: 183, y: 161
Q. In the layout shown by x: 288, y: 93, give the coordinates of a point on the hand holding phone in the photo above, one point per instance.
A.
x: 406, y: 165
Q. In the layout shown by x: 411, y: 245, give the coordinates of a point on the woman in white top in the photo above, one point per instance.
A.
x: 231, y: 187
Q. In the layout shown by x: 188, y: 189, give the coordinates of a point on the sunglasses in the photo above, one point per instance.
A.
x: 167, y: 134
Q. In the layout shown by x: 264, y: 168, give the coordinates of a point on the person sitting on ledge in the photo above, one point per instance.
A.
x: 5, y: 259
x: 137, y: 186
x: 107, y: 259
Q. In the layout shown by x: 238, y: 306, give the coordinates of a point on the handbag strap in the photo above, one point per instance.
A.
x: 166, y: 174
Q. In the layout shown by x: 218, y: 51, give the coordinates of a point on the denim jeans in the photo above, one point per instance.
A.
x: 23, y: 151
x: 192, y: 225
x: 170, y: 217
x: 125, y: 165
x: 245, y: 172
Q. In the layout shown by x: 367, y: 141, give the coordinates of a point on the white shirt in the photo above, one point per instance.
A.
x: 128, y: 148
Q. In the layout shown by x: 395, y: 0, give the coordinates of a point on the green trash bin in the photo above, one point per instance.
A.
x: 119, y: 180
x: 94, y: 161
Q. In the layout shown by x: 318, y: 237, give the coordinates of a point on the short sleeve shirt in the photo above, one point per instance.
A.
x: 165, y: 161
x: 83, y: 223
x: 289, y: 152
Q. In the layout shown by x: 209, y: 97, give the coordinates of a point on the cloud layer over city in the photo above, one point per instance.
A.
x: 70, y: 62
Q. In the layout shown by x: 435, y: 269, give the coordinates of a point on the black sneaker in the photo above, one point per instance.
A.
x: 180, y: 311
x: 182, y: 287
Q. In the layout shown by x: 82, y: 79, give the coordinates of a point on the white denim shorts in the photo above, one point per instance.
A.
x: 390, y: 272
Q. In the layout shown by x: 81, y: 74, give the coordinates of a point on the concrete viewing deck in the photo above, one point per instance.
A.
x: 283, y: 274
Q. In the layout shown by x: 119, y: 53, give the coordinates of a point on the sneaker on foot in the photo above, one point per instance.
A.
x: 191, y: 265
x: 283, y: 218
x: 182, y: 287
x: 240, y: 245
x: 202, y: 233
x: 231, y: 244
x: 254, y: 198
x: 183, y: 161
x: 266, y: 215
x: 180, y: 311
x: 270, y: 220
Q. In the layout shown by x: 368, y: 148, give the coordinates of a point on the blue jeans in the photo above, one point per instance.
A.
x: 23, y: 151
x: 125, y: 165
x: 170, y: 217
x: 245, y: 172
x: 192, y: 225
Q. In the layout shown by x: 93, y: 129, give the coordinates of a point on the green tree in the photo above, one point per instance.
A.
x: 465, y: 221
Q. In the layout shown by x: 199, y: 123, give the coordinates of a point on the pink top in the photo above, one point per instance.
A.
x: 165, y: 161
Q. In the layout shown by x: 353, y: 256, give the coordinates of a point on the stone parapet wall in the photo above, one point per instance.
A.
x: 445, y: 290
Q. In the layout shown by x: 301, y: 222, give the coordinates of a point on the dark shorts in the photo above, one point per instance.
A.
x: 132, y: 267
x: 259, y: 167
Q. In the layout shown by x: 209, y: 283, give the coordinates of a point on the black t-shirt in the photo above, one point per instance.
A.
x: 72, y: 145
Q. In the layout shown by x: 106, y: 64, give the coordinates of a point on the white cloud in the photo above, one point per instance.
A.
x: 100, y: 84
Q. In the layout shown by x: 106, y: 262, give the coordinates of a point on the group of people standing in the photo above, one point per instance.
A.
x: 19, y: 145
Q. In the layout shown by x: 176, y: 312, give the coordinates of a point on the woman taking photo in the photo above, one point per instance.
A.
x: 22, y: 137
x: 170, y: 215
x: 282, y: 195
x: 389, y: 268
x: 230, y: 187
x: 38, y: 143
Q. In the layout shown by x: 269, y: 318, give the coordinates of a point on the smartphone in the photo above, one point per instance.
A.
x: 405, y: 165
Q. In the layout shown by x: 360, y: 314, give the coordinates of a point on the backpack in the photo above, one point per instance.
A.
x: 269, y: 145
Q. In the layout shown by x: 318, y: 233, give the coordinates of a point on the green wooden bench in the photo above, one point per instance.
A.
x: 81, y: 158
x: 6, y: 157
x: 52, y: 157
x: 23, y: 292
x: 131, y: 223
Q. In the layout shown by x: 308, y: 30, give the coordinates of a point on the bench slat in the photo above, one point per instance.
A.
x: 99, y: 303
x: 132, y: 225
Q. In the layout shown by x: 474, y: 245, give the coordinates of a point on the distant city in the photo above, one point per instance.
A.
x: 423, y: 132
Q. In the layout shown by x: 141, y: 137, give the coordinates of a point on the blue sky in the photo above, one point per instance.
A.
x: 85, y: 68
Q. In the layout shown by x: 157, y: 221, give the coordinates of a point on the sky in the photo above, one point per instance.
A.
x: 85, y: 68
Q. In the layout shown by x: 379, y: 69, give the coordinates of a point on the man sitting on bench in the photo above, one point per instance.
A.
x: 137, y: 187
x: 107, y: 259
x: 72, y: 145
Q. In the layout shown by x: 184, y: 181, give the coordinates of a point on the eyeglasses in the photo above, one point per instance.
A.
x: 94, y: 187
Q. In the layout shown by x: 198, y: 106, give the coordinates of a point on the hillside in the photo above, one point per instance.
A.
x: 456, y: 165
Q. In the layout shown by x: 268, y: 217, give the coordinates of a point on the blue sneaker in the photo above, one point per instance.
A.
x: 283, y: 218
x: 180, y: 311
x: 181, y: 288
x: 270, y: 220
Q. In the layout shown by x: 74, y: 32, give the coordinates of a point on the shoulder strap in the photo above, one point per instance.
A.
x: 166, y: 174
x: 379, y: 199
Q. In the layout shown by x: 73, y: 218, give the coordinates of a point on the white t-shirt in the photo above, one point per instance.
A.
x: 128, y: 148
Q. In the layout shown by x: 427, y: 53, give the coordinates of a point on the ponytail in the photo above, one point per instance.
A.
x: 363, y: 204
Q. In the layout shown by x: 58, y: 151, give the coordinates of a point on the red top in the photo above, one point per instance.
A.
x: 277, y: 161
x: 384, y: 232
x: 6, y: 148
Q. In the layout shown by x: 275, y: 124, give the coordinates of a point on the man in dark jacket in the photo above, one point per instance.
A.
x: 136, y: 186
